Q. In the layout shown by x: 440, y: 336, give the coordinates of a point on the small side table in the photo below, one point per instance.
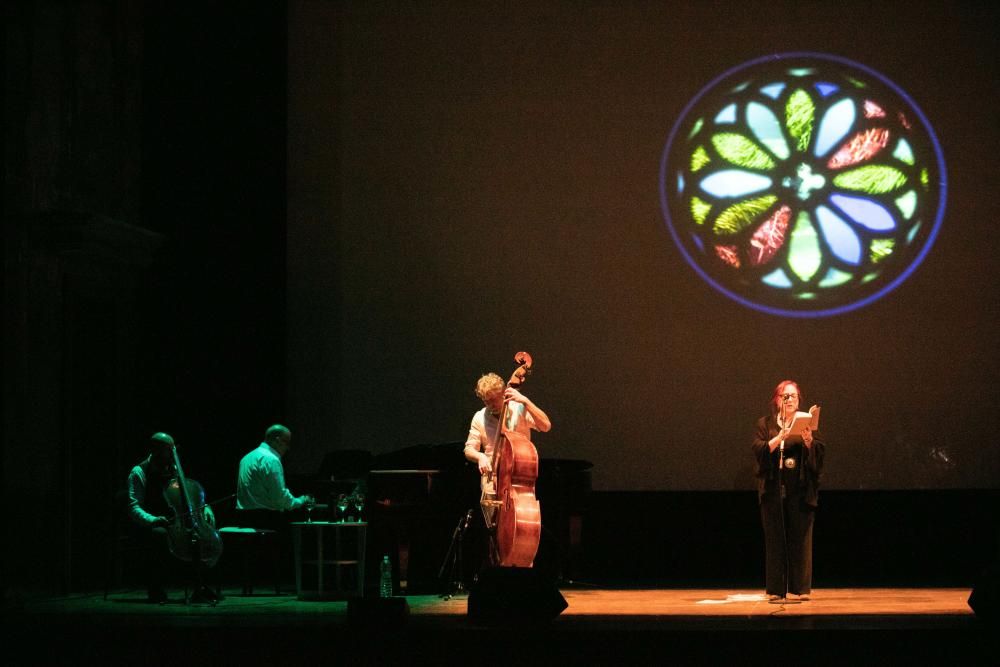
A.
x: 329, y: 559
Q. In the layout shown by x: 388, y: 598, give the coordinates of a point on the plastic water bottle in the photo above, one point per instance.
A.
x: 385, y: 584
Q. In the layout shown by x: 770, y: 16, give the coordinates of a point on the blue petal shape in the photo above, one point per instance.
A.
x: 836, y: 123
x: 734, y: 183
x: 727, y: 115
x: 865, y: 212
x: 773, y: 90
x: 842, y: 240
x: 767, y: 129
x: 777, y: 278
x: 826, y: 89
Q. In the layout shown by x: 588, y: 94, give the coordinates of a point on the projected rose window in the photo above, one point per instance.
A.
x: 803, y: 185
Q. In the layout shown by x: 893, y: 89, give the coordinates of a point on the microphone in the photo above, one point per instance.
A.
x: 784, y: 401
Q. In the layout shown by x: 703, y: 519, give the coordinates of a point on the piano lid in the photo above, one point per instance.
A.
x: 437, y: 457
x: 424, y: 474
x: 346, y: 464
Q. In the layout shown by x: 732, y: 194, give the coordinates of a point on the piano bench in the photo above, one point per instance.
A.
x: 248, y: 543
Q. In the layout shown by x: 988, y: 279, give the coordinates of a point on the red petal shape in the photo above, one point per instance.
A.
x: 873, y: 110
x: 769, y: 237
x: 728, y: 254
x: 862, y: 146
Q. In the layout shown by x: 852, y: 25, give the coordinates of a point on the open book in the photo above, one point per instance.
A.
x: 804, y: 419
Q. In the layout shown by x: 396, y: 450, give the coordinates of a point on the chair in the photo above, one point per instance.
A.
x: 122, y: 545
x: 245, y: 540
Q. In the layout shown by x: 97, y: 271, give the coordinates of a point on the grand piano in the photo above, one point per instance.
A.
x: 416, y: 497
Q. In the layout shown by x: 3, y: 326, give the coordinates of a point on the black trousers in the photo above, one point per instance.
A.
x: 162, y: 568
x: 788, y: 533
x: 159, y: 561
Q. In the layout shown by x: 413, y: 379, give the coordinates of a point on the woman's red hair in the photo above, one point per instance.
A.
x: 779, y: 390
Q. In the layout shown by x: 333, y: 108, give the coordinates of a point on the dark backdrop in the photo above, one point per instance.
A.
x: 150, y: 284
x: 467, y: 180
x: 213, y: 183
x: 144, y: 247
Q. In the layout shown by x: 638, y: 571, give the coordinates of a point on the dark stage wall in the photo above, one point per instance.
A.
x: 337, y: 215
x: 144, y: 227
x: 467, y: 180
x: 862, y: 538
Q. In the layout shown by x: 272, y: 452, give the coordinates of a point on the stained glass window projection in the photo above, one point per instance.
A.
x: 803, y: 184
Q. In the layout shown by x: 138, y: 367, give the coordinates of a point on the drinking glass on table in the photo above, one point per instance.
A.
x: 342, y: 502
x: 358, y: 500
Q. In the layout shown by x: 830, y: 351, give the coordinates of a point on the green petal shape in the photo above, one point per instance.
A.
x: 800, y: 113
x: 699, y: 158
x: 903, y: 152
x: 925, y: 178
x: 907, y: 204
x: 804, y: 254
x: 739, y: 216
x: 697, y: 128
x: 741, y: 151
x: 873, y: 179
x: 699, y: 210
x: 881, y: 248
x: 834, y: 277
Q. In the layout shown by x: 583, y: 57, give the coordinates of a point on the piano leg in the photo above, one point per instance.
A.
x: 404, y: 560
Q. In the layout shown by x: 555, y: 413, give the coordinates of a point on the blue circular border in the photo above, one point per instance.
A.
x: 898, y: 280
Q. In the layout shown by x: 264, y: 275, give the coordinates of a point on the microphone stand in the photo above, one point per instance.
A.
x: 454, y: 558
x: 784, y: 534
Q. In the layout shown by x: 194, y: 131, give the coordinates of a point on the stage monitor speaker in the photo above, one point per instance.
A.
x: 985, y: 597
x: 390, y: 611
x: 514, y: 595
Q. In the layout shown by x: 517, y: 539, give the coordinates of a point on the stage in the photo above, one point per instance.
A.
x: 599, y: 626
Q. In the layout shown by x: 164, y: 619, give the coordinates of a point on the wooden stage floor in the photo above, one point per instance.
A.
x: 599, y: 626
x: 712, y: 603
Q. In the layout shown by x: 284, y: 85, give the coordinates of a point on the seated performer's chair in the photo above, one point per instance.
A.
x: 122, y: 545
x: 249, y: 543
x: 246, y: 545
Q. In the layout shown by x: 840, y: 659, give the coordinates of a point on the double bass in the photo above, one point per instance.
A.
x: 190, y: 536
x: 511, y: 511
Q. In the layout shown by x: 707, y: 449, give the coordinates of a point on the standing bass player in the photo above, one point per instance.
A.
x: 522, y: 416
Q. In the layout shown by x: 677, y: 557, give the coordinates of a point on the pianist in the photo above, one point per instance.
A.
x: 261, y: 495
